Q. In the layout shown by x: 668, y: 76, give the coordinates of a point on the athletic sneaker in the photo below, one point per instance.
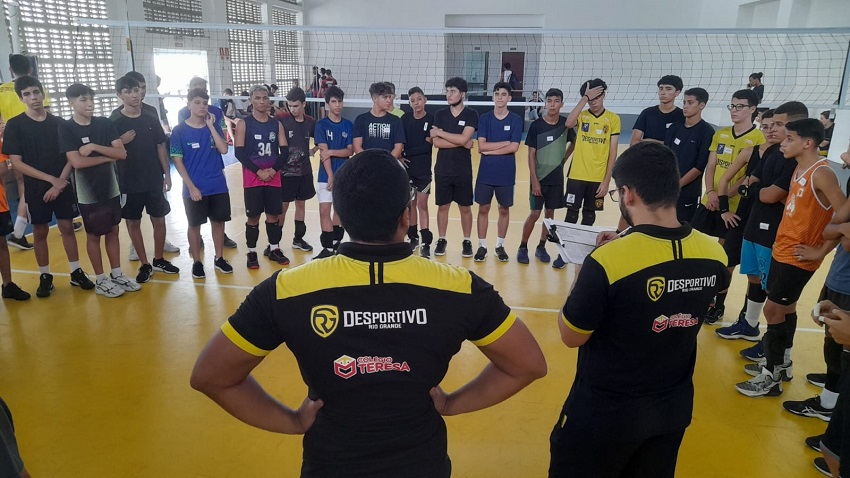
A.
x: 414, y: 243
x: 125, y: 282
x: 522, y: 255
x: 106, y: 288
x: 145, y: 273
x: 162, y: 265
x: 277, y: 256
x: 21, y: 243
x: 45, y: 285
x: 77, y: 225
x: 558, y: 263
x: 480, y: 254
x: 12, y: 291
x: 739, y: 330
x: 754, y: 353
x: 253, y: 263
x: 170, y: 248
x: 814, y: 442
x: 764, y: 384
x: 81, y: 280
x: 809, y: 407
x: 302, y: 245
x: 440, y: 250
x: 425, y: 251
x: 821, y: 466
x: 541, y: 254
x: 501, y: 254
x: 714, y: 314
x: 198, y: 270
x: 786, y: 371
x: 223, y: 266
x: 324, y: 253
x: 816, y: 379
x: 466, y: 250
x: 133, y: 255
x: 229, y: 243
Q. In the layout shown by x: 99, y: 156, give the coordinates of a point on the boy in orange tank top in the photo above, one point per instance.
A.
x: 799, y: 249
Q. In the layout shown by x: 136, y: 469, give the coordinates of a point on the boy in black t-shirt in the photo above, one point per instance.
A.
x: 379, y: 128
x: 417, y: 157
x: 92, y: 146
x: 144, y: 177
x: 32, y: 142
x: 297, y: 176
x: 653, y: 122
x: 452, y: 134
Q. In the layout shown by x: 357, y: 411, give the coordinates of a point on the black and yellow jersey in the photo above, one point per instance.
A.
x: 373, y: 330
x: 643, y: 298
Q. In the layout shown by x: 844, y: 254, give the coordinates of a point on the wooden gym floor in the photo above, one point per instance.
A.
x: 100, y: 387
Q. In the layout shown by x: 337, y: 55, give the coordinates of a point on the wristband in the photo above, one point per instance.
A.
x: 724, y: 203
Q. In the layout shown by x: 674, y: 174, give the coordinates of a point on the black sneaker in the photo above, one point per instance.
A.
x: 816, y: 379
x: 809, y: 407
x: 145, y: 273
x: 501, y: 254
x: 814, y: 442
x: 425, y: 251
x: 277, y: 256
x: 229, y: 243
x: 821, y: 466
x: 324, y: 253
x: 302, y: 245
x: 253, y: 263
x: 480, y: 254
x: 440, y: 249
x: 77, y: 225
x: 12, y: 291
x: 223, y: 266
x: 414, y: 243
x: 45, y: 285
x: 713, y: 315
x: 267, y: 251
x: 198, y: 270
x: 467, y: 249
x: 81, y: 280
x: 21, y: 243
x: 162, y: 265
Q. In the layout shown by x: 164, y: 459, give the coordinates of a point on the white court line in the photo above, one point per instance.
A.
x: 246, y: 287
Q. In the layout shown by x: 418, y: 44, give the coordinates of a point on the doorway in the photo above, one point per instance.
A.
x: 175, y: 68
x: 517, y: 61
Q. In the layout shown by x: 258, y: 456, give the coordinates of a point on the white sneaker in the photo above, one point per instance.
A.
x: 133, y: 255
x: 125, y: 283
x: 169, y: 247
x: 107, y: 288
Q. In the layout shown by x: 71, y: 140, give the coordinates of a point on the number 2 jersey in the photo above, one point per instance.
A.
x: 261, y: 146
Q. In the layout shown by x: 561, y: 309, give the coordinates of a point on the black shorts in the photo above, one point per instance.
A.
x: 64, y: 207
x: 297, y: 188
x: 262, y: 199
x: 100, y: 218
x: 685, y: 208
x: 449, y: 189
x: 215, y: 207
x: 785, y: 283
x: 422, y: 184
x: 552, y: 197
x: 582, y: 195
x: 732, y: 244
x: 6, y: 225
x: 154, y: 202
x: 504, y: 194
x: 577, y: 453
x: 709, y: 222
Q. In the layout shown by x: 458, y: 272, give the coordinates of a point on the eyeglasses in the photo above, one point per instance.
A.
x: 612, y: 196
x: 737, y: 107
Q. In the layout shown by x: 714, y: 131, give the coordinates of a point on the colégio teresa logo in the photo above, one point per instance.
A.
x: 345, y: 367
x: 324, y: 319
x: 655, y: 287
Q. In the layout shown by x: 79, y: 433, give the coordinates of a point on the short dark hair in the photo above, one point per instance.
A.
x: 137, y: 76
x: 756, y: 76
x: 651, y: 170
x: 334, y: 92
x: 593, y: 84
x: 459, y: 83
x: 794, y: 109
x: 126, y: 82
x: 228, y: 91
x: 26, y: 81
x: 826, y: 114
x: 415, y: 90
x: 323, y: 71
x: 328, y: 71
x: 808, y: 128
x: 273, y: 87
x: 197, y: 93
x: 671, y: 80
x: 20, y: 65
x: 77, y: 90
x: 555, y: 92
x: 380, y: 88
x: 745, y: 94
x: 768, y: 114
x: 371, y: 192
x: 507, y: 65
x: 296, y: 94
x: 699, y: 93
x: 502, y: 85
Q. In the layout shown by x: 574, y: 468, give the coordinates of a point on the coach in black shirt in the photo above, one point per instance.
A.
x: 373, y: 330
x: 635, y: 319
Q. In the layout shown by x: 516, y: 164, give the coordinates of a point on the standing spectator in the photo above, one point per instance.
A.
x: 756, y: 85
x: 828, y: 126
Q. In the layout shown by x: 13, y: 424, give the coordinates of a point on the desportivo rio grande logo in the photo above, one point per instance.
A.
x: 347, y: 367
x: 324, y: 319
x: 655, y: 288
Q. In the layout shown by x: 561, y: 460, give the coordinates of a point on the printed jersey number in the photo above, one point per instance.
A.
x: 265, y: 149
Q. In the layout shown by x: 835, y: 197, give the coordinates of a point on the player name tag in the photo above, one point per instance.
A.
x: 195, y: 145
x: 550, y: 138
x: 727, y: 150
x: 676, y: 141
x: 764, y: 226
x: 258, y: 136
x: 507, y: 127
x: 599, y: 131
x: 461, y: 123
x: 85, y: 140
